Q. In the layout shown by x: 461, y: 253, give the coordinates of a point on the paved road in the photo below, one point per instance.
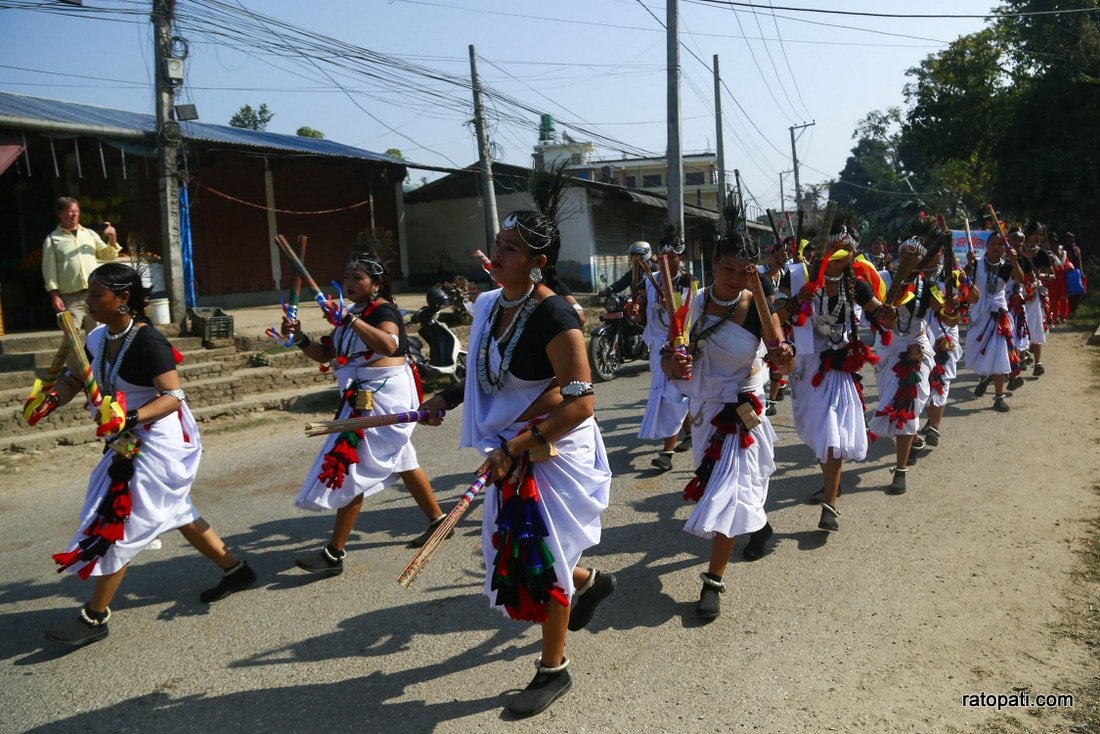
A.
x: 953, y: 588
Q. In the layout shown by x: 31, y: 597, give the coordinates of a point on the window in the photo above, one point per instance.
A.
x: 651, y: 181
x: 631, y: 182
x: 695, y: 178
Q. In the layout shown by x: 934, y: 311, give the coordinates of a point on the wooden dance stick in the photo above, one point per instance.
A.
x: 72, y: 333
x: 665, y: 288
x: 821, y: 258
x: 299, y: 266
x: 296, y: 288
x: 322, y: 428
x: 768, y: 332
x: 969, y: 237
x: 775, y: 229
x: 41, y: 388
x: 416, y: 565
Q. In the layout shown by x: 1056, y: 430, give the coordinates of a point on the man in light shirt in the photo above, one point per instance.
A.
x: 69, y: 254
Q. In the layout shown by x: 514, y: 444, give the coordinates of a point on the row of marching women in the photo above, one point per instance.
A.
x: 528, y: 408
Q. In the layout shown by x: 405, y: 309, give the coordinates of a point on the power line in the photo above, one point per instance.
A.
x: 864, y: 14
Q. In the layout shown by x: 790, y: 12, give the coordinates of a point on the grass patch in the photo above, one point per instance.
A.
x: 1087, y: 315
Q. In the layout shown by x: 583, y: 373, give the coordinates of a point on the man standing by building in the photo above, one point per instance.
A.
x: 69, y: 254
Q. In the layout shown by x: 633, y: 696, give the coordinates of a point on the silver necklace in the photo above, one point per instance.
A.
x: 108, y: 375
x: 505, y: 303
x: 494, y: 383
x: 719, y: 302
x: 115, y: 337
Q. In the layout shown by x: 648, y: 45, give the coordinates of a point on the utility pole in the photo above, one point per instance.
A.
x: 674, y: 155
x: 794, y: 157
x: 782, y: 199
x: 485, y: 160
x: 721, y: 149
x: 168, y: 140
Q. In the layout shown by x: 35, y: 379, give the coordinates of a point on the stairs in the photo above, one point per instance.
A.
x: 218, y: 378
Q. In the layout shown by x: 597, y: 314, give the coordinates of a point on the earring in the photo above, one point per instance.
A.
x: 536, y: 275
x: 124, y: 309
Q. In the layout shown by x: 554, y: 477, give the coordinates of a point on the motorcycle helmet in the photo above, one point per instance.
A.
x: 437, y: 297
x: 642, y: 248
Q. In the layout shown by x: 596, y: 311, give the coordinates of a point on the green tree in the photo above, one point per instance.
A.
x: 251, y: 119
x: 307, y: 132
x: 394, y: 153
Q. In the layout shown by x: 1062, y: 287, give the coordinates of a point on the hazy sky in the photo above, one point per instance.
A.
x: 598, y: 63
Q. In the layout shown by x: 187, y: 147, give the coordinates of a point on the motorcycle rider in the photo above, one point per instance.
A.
x: 641, y: 256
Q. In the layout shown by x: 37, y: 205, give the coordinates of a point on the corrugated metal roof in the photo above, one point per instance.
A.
x: 17, y: 108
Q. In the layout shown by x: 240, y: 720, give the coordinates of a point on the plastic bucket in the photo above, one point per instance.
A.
x: 159, y: 312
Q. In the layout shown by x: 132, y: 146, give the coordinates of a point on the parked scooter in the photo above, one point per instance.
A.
x: 617, y: 339
x: 446, y: 355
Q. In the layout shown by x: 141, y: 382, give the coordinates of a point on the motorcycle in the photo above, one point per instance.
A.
x: 618, y: 339
x: 446, y: 355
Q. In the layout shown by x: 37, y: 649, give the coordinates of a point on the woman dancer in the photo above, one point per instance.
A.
x: 902, y: 373
x: 942, y: 325
x: 529, y: 410
x: 733, y: 440
x: 666, y: 408
x: 141, y: 487
x: 368, y: 351
x: 989, y: 347
x: 826, y: 388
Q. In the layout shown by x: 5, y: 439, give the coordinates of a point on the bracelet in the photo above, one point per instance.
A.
x: 504, y: 448
x: 577, y: 389
x: 179, y: 395
x: 538, y: 435
x: 794, y: 350
x: 667, y: 348
x: 303, y: 342
x: 131, y: 420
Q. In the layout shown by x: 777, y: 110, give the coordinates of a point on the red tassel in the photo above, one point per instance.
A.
x: 817, y: 379
x: 176, y: 356
x: 528, y: 489
x: 746, y: 439
x: 693, y: 492
x: 886, y: 337
x: 558, y: 595
x: 872, y: 436
x: 112, y: 531
x: 341, y: 360
x: 86, y: 571
x: 67, y: 559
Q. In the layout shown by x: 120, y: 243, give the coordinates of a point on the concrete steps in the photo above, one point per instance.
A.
x: 219, y: 378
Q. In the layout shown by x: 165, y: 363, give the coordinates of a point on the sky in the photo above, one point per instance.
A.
x: 598, y: 66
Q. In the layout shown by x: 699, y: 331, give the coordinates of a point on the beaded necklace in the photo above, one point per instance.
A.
x: 108, y: 376
x: 492, y: 384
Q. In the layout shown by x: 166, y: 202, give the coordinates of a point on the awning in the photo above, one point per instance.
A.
x: 662, y: 203
x: 10, y: 150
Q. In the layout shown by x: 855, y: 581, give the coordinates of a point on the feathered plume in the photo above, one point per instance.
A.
x: 546, y: 186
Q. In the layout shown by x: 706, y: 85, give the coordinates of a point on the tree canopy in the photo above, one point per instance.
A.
x: 251, y: 119
x: 1005, y: 115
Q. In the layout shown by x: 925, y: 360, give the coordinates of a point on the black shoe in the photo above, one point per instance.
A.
x: 819, y: 496
x: 772, y: 408
x: 756, y: 548
x: 584, y: 605
x: 828, y: 519
x: 663, y: 461
x: 421, y: 539
x: 1015, y: 383
x: 547, y: 686
x: 684, y: 445
x: 897, y: 486
x: 919, y: 444
x: 710, y: 600
x: 326, y: 562
x: 1039, y: 370
x: 235, y: 579
x: 80, y: 631
x: 982, y: 386
x: 781, y: 394
x: 931, y: 436
x: 1000, y: 405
